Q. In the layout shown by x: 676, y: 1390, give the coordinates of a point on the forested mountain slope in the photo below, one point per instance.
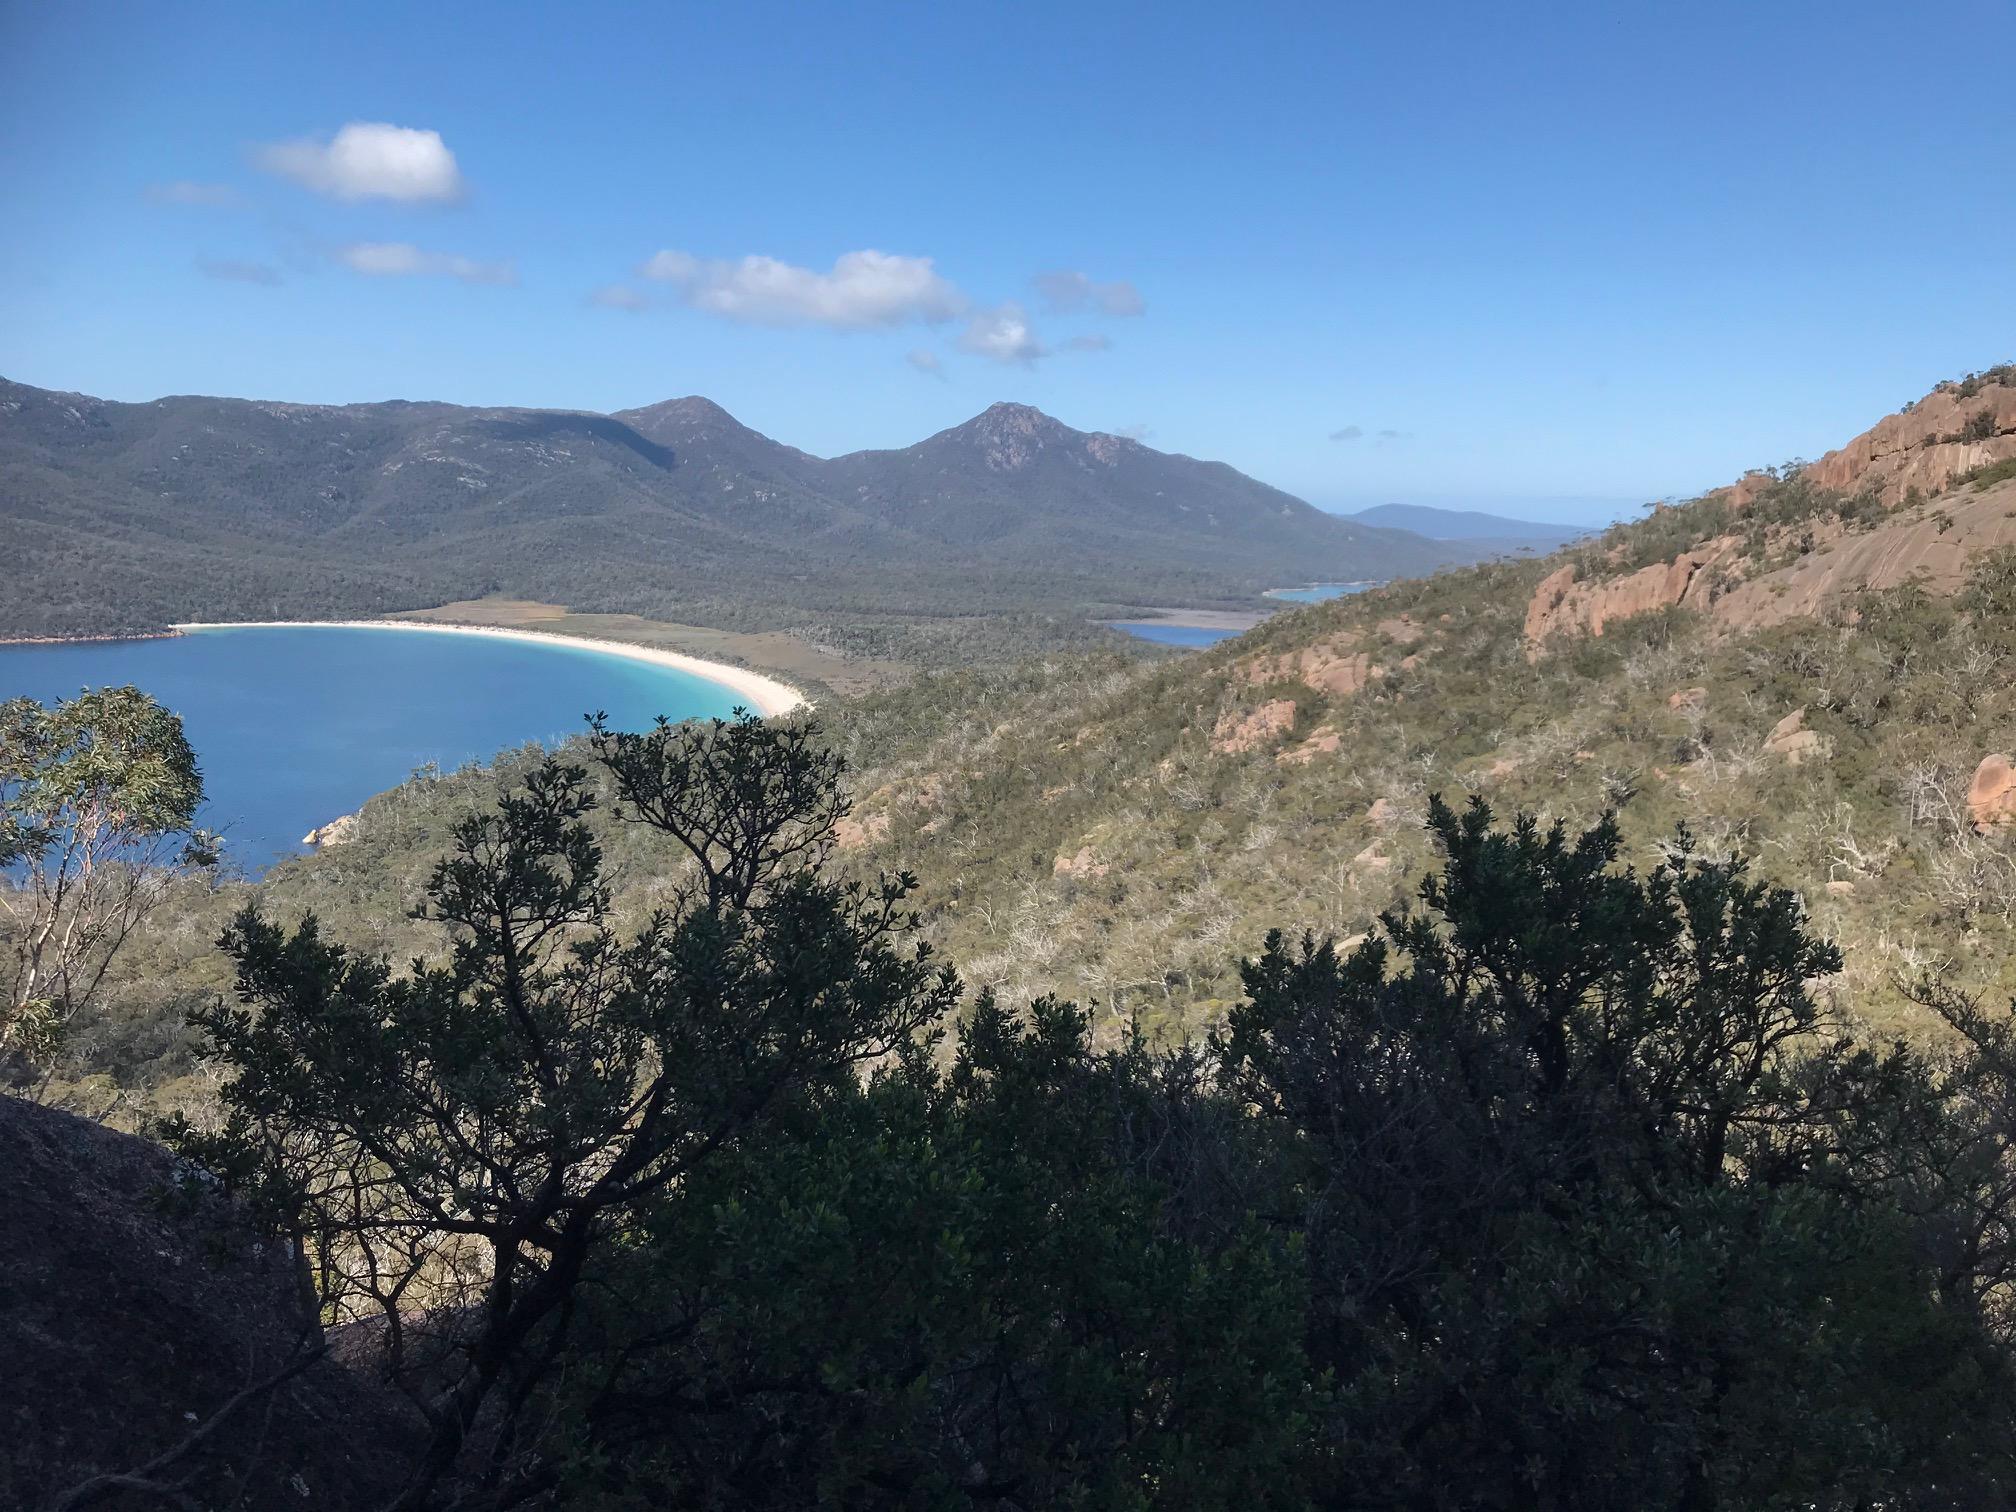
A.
x: 1122, y: 833
x: 127, y: 517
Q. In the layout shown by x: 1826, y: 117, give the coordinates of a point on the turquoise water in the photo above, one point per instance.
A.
x: 1316, y: 593
x: 1176, y: 635
x: 296, y: 725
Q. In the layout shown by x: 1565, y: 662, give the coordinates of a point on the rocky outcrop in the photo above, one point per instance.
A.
x: 853, y: 834
x: 1236, y: 732
x: 1084, y: 864
x: 335, y: 832
x: 1793, y: 743
x: 1563, y: 603
x: 1324, y: 740
x: 1333, y: 665
x: 1934, y: 545
x: 1991, y: 796
x: 1949, y: 433
x: 132, y: 1306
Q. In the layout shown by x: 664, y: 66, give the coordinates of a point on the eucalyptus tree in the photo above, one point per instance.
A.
x: 98, y: 802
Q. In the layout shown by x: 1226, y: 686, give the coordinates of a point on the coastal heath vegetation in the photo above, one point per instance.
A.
x: 1563, y: 1187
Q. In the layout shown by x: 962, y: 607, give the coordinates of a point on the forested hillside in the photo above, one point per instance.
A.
x: 1115, y: 1084
x: 129, y: 517
x: 1120, y: 833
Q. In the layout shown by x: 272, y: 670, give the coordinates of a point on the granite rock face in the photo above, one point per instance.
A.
x: 134, y: 1302
x: 1991, y: 796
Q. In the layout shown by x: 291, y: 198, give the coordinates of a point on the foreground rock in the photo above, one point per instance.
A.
x: 132, y: 1309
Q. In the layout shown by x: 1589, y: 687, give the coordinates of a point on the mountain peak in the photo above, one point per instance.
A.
x: 693, y: 409
x: 1006, y: 418
x: 1011, y: 436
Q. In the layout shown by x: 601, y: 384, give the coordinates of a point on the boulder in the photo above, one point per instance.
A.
x: 135, y: 1302
x: 1237, y: 732
x: 1688, y: 698
x: 1793, y: 742
x: 1371, y: 859
x: 335, y: 832
x: 1085, y: 863
x: 1324, y: 740
x: 1991, y: 796
x: 852, y: 834
x: 1333, y: 665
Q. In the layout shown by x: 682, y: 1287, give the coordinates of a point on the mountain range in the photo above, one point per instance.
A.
x: 1500, y: 533
x: 128, y: 517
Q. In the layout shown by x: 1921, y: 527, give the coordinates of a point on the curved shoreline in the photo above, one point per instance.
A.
x: 767, y: 695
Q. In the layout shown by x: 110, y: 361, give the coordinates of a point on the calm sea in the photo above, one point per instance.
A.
x: 1316, y: 593
x: 296, y: 726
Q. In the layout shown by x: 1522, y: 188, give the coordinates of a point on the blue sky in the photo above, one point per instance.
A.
x: 1545, y: 259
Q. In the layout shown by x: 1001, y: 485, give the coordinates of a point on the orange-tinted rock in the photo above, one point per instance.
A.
x: 1991, y: 796
x: 1330, y: 666
x: 1085, y: 864
x: 1322, y: 741
x: 1791, y: 740
x: 852, y: 834
x: 1382, y: 812
x: 1561, y: 603
x: 1927, y: 446
x: 1688, y: 698
x: 1244, y: 732
x: 1936, y: 547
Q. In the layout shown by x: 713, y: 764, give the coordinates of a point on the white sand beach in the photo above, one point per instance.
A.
x: 766, y: 695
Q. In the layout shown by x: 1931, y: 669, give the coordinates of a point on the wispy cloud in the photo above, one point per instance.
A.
x: 229, y: 271
x: 1348, y: 433
x: 404, y: 260
x: 861, y: 290
x: 1394, y: 435
x: 1065, y: 292
x: 925, y: 361
x: 1134, y: 432
x: 189, y: 192
x: 1094, y: 343
x: 619, y: 297
x: 1003, y: 334
x: 369, y: 160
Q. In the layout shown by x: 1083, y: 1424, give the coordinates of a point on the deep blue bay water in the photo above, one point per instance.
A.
x: 297, y: 725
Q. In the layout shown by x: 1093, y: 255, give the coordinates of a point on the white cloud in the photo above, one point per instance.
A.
x: 1348, y: 433
x: 619, y: 297
x: 1065, y: 291
x: 1004, y: 334
x: 188, y: 192
x: 404, y: 260
x: 1134, y: 432
x: 230, y: 271
x: 369, y: 160
x: 1089, y: 343
x: 925, y: 361
x: 863, y: 289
